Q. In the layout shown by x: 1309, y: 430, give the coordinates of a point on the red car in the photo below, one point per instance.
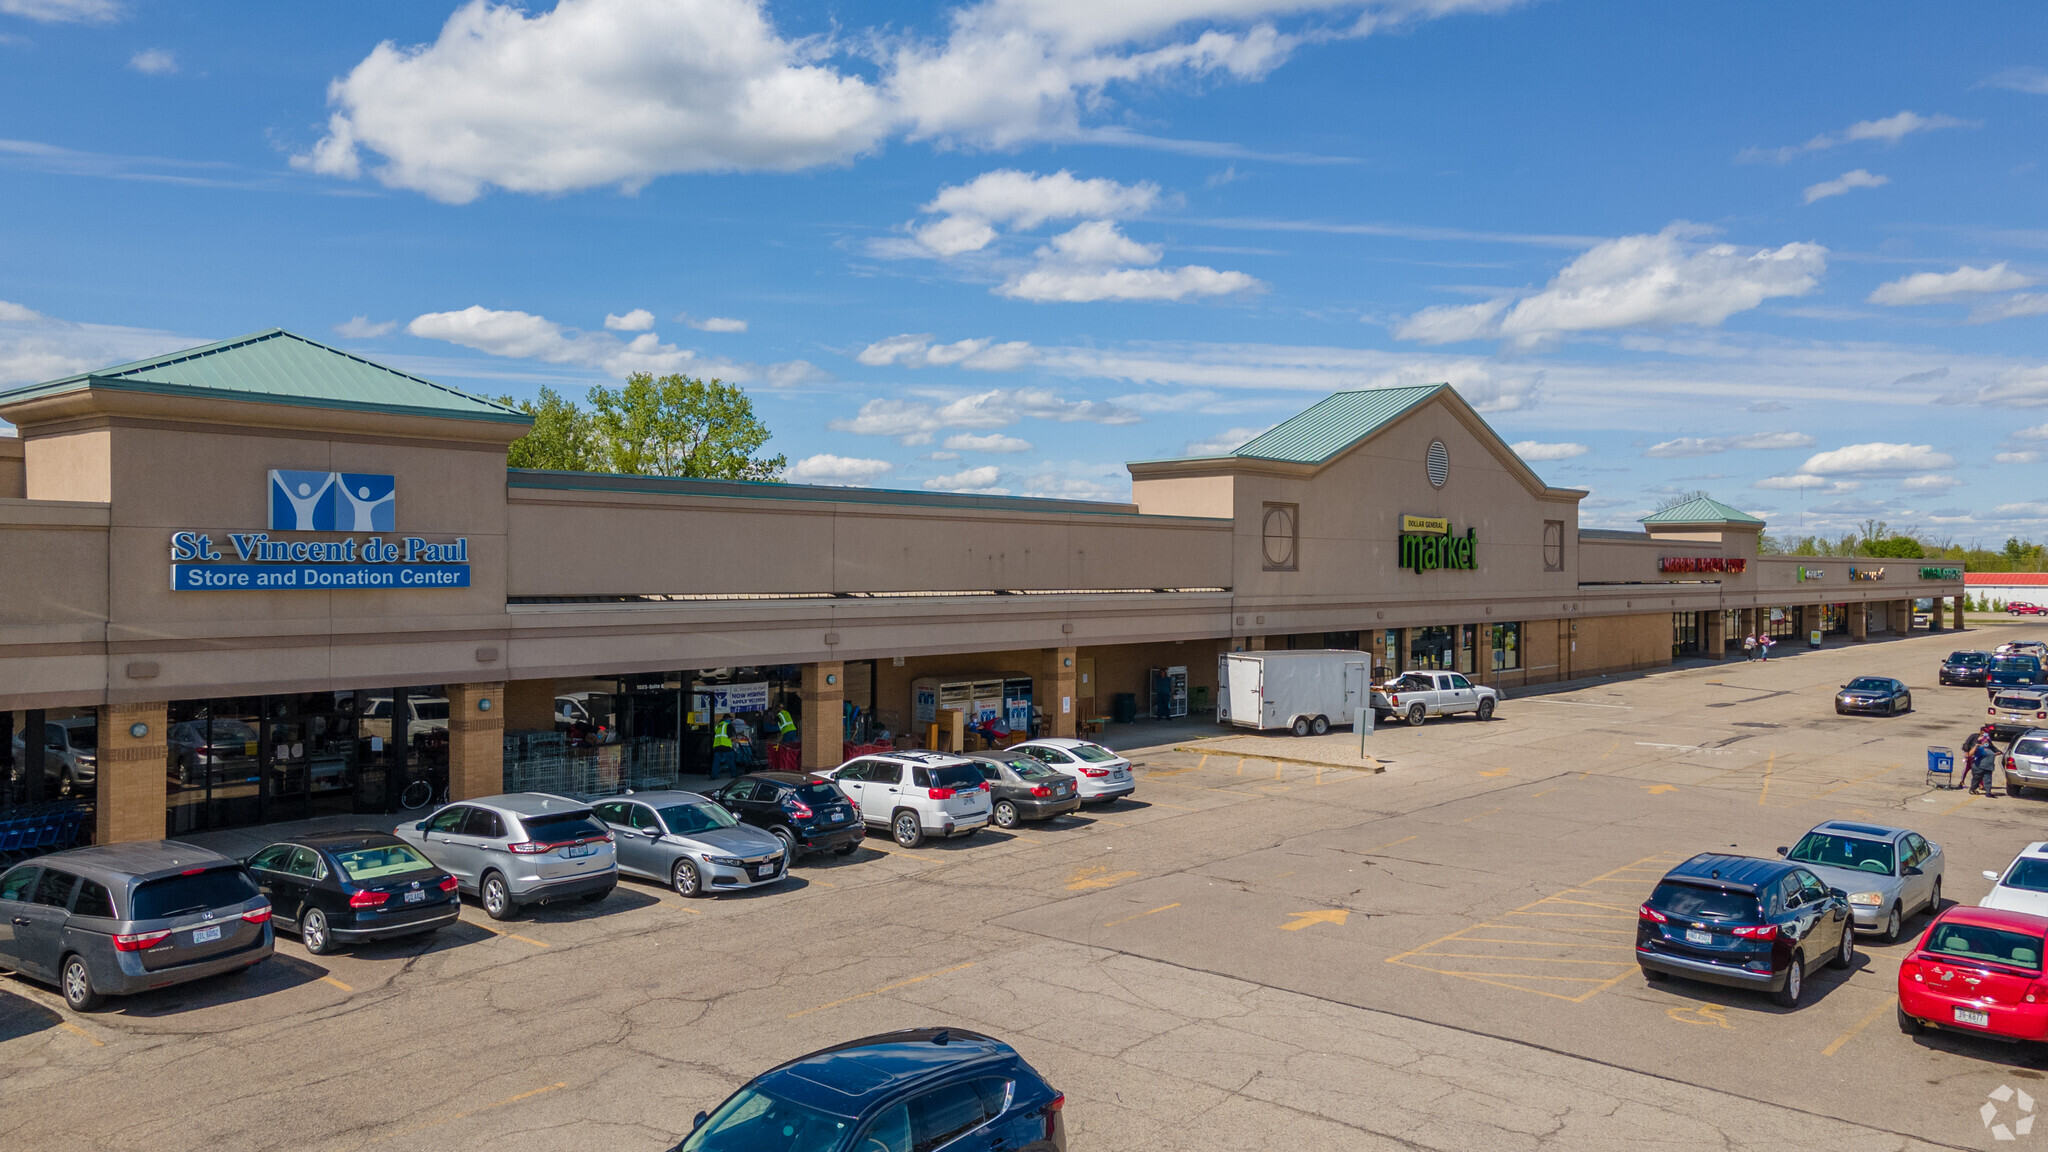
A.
x: 1978, y: 970
x: 2022, y: 608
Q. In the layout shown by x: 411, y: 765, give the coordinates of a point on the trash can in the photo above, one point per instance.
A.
x: 1123, y: 707
x: 1941, y: 768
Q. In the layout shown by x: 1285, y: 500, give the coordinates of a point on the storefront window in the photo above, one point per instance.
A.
x: 1685, y: 633
x: 1834, y: 618
x: 1392, y: 646
x: 1431, y: 648
x: 1507, y: 647
x: 1467, y: 635
x: 1779, y: 622
x: 253, y: 759
x: 61, y: 768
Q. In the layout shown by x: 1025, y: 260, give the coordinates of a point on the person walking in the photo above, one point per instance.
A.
x: 1749, y: 647
x: 1764, y: 643
x: 1983, y: 761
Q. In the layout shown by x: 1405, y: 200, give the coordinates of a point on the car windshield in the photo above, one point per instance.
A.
x: 382, y: 860
x: 1976, y: 942
x: 2031, y: 746
x: 1030, y: 769
x: 756, y: 1121
x: 1970, y: 659
x: 690, y: 819
x: 1869, y: 684
x: 956, y: 776
x: 197, y: 892
x: 2028, y: 873
x: 430, y: 709
x: 554, y: 829
x: 2020, y: 664
x: 1851, y: 852
x: 1698, y: 902
x: 2015, y: 703
x: 1092, y: 753
x: 82, y: 736
x: 819, y: 794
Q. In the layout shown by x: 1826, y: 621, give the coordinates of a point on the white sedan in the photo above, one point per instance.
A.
x: 2024, y: 886
x: 1099, y: 773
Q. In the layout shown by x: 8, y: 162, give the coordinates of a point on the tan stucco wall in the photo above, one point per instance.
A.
x: 1612, y: 644
x: 13, y: 471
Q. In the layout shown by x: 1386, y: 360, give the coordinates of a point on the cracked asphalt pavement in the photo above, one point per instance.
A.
x: 1252, y: 953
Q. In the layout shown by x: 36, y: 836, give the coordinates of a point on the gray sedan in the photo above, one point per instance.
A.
x: 690, y: 843
x: 1889, y: 873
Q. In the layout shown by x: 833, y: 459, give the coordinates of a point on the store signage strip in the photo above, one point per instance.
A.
x: 320, y: 502
x: 1941, y: 573
x: 274, y: 577
x: 1731, y: 565
x: 1427, y: 543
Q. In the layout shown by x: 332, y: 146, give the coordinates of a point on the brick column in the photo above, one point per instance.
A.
x: 1716, y: 635
x: 529, y: 705
x: 1958, y: 601
x: 476, y: 740
x: 1053, y: 691
x: 1255, y: 644
x: 131, y: 773
x: 1859, y: 622
x: 823, y: 726
x: 1903, y: 624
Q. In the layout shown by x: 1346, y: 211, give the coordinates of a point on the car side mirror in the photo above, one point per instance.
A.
x: 653, y: 833
x: 1993, y: 876
x: 1911, y: 871
x: 1782, y: 850
x: 699, y: 1121
x: 1838, y: 894
x: 420, y: 827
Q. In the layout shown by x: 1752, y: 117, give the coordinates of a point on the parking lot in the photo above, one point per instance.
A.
x: 1305, y: 952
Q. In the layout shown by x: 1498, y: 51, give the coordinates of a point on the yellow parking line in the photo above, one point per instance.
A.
x: 460, y: 1115
x: 1391, y: 843
x: 336, y: 983
x: 1141, y: 915
x: 1966, y: 802
x: 1860, y: 1025
x: 879, y: 991
x: 68, y: 1026
x: 1765, y: 794
x: 508, y: 935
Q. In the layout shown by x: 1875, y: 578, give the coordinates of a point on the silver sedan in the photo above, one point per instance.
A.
x: 1889, y: 873
x: 690, y: 843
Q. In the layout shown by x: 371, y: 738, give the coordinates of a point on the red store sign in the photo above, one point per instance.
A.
x: 1733, y: 567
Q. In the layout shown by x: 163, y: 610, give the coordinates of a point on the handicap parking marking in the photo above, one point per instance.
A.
x: 1564, y: 946
x: 1711, y: 1014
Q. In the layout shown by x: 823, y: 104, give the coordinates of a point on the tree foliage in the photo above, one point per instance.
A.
x: 671, y: 426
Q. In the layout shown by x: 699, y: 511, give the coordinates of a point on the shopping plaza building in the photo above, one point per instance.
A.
x: 264, y: 579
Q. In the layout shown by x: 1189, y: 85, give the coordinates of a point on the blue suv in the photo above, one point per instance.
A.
x: 915, y: 1091
x: 1744, y: 922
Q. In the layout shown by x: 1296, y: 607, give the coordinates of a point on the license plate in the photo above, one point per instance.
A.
x: 839, y: 814
x: 1695, y: 936
x: 764, y: 871
x: 415, y: 897
x: 1967, y: 1016
x: 1118, y: 774
x: 206, y: 935
x: 576, y: 850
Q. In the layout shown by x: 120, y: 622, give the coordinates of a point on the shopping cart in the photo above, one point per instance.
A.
x: 1941, y: 768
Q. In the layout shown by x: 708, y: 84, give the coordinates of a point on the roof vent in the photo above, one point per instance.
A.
x: 1439, y: 463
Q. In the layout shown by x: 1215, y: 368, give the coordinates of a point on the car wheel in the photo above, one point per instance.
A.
x: 1845, y: 952
x: 1894, y: 923
x: 1654, y: 976
x: 66, y: 786
x: 1909, y: 703
x: 788, y: 839
x: 1319, y: 725
x: 496, y: 897
x: 1841, y: 711
x: 1934, y: 898
x: 313, y: 932
x: 77, y: 984
x: 909, y: 832
x: 1416, y: 715
x: 184, y: 773
x: 1795, y: 984
x: 685, y: 880
x: 845, y: 849
x: 1005, y: 814
x: 1486, y: 708
x: 1300, y: 726
x: 598, y: 896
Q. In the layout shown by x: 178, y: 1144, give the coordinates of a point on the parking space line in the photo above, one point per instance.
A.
x: 1140, y: 916
x: 882, y: 989
x: 1836, y: 1045
x: 1768, y: 766
x: 511, y: 935
x: 457, y: 1116
x: 336, y: 983
x: 1391, y: 843
x: 68, y: 1026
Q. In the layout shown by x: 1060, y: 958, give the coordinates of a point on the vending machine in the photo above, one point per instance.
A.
x: 1170, y: 691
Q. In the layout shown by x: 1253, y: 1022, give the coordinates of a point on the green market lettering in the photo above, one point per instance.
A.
x: 1941, y: 573
x: 1424, y: 552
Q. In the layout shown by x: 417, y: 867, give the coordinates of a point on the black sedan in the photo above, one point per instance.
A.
x: 809, y: 813
x: 1877, y: 694
x: 336, y: 888
x: 1966, y: 668
x: 1024, y: 788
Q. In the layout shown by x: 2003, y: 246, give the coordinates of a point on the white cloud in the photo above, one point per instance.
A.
x: 2016, y: 457
x: 2037, y: 432
x: 715, y: 324
x: 363, y: 328
x: 1534, y: 451
x: 792, y: 372
x: 826, y: 468
x: 916, y: 350
x: 638, y: 320
x: 1225, y: 442
x: 2016, y: 305
x: 154, y: 62
x: 35, y: 347
x: 1687, y: 446
x: 1062, y: 485
x: 942, y: 455
x: 2033, y: 81
x: 63, y: 11
x: 523, y: 335
x: 1191, y: 369
x: 2015, y: 387
x: 1791, y: 482
x: 993, y: 442
x: 914, y: 421
x: 1890, y: 129
x: 1859, y: 459
x: 1097, y: 242
x: 1933, y: 287
x: 1932, y: 482
x: 1852, y: 179
x: 1080, y: 284
x: 980, y: 479
x: 1632, y: 281
x: 2029, y: 510
x: 1022, y: 200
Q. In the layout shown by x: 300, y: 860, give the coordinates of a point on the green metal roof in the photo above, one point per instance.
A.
x: 1335, y: 423
x: 278, y: 367
x: 1704, y: 510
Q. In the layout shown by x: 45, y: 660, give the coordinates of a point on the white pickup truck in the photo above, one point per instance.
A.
x: 1416, y: 696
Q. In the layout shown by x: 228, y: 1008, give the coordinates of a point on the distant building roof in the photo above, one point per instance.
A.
x: 278, y: 367
x: 1335, y: 423
x: 1704, y: 510
x: 2007, y: 579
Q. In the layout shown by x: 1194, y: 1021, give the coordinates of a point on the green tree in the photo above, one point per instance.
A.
x: 1894, y: 547
x: 680, y: 426
x: 561, y: 438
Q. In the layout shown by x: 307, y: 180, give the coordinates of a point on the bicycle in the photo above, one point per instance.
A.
x: 429, y: 789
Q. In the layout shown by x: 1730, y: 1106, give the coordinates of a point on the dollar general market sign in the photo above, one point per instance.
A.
x: 1426, y: 543
x: 320, y: 502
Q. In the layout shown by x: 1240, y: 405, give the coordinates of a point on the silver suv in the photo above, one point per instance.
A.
x: 518, y: 849
x: 915, y: 794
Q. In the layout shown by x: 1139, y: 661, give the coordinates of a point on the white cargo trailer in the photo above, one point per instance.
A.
x: 1306, y: 691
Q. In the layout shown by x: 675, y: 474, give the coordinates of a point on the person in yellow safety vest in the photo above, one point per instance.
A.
x: 722, y: 755
x: 785, y: 728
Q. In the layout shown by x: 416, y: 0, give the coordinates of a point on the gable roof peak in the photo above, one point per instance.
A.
x: 1700, y: 510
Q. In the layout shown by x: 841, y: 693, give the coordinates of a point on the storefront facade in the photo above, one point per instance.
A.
x: 287, y: 582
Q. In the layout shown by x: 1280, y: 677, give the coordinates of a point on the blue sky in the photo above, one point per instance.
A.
x: 1797, y: 257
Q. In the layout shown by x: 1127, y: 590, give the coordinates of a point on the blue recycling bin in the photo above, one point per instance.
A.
x: 1941, y: 768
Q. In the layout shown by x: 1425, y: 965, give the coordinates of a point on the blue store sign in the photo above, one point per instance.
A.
x: 320, y: 502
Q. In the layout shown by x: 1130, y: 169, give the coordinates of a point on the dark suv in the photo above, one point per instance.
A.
x: 2013, y: 670
x: 1744, y: 922
x: 806, y: 811
x: 1966, y: 668
x: 927, y: 1088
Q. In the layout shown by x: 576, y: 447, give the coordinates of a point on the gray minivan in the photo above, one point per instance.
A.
x: 116, y: 919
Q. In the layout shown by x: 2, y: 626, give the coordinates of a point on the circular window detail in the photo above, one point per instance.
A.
x: 1439, y: 464
x: 1279, y: 537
